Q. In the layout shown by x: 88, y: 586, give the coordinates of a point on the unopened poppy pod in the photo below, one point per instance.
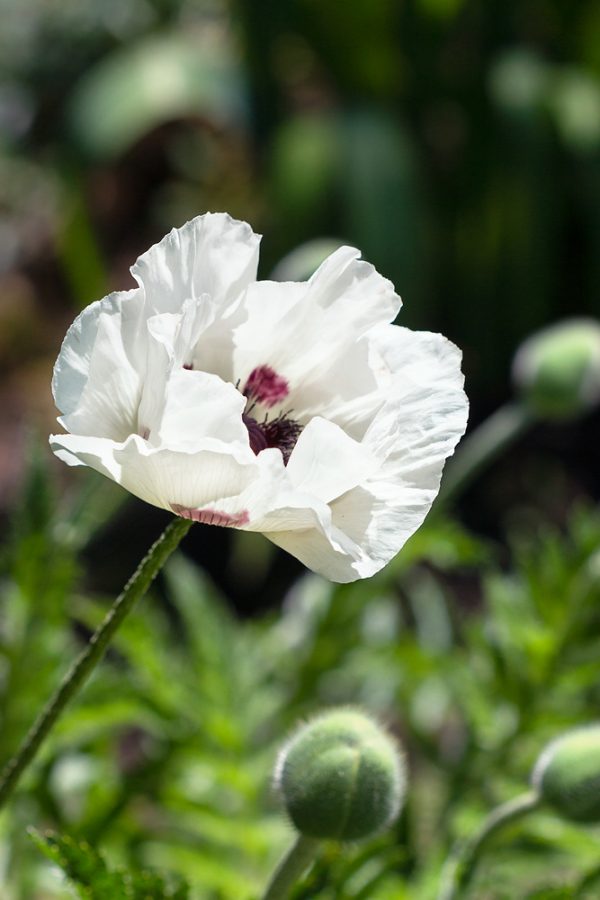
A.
x: 292, y: 409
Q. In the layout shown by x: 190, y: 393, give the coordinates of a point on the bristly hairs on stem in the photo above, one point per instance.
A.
x: 83, y: 666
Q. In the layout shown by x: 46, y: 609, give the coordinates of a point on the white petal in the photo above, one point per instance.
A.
x: 212, y: 254
x: 312, y: 538
x: 298, y: 329
x: 71, y: 369
x: 367, y: 526
x: 272, y: 330
x: 214, y: 349
x: 160, y: 338
x: 326, y: 462
x: 252, y: 504
x: 317, y: 553
x: 411, y: 435
x: 379, y: 517
x: 301, y: 524
x: 198, y: 405
x: 171, y: 478
x: 426, y: 413
x: 197, y: 315
x: 346, y: 390
x: 290, y: 510
x: 210, y: 479
x: 343, y: 281
x: 107, y: 404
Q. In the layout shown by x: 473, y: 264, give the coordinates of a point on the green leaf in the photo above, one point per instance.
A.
x: 82, y: 865
x: 89, y: 874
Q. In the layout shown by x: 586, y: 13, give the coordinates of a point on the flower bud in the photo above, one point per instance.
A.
x: 557, y: 370
x: 567, y: 774
x: 303, y: 261
x: 341, y: 777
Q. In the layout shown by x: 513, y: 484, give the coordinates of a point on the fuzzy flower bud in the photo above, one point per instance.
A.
x: 567, y: 774
x: 557, y: 370
x: 341, y: 777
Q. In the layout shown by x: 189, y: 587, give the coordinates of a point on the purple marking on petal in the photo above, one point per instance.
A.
x: 212, y: 516
x: 188, y: 366
x: 144, y: 433
x: 265, y: 386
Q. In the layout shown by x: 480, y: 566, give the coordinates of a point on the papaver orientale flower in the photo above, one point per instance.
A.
x: 293, y: 409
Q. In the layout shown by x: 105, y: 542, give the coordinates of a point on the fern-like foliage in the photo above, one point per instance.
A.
x: 88, y: 872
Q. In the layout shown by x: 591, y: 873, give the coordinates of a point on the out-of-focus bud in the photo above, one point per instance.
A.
x: 341, y: 777
x: 574, y: 101
x: 567, y: 774
x: 557, y: 370
x: 300, y: 263
x: 519, y: 81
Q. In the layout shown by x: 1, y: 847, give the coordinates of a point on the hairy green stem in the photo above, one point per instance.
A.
x: 135, y: 588
x: 461, y: 866
x: 482, y: 447
x: 293, y: 865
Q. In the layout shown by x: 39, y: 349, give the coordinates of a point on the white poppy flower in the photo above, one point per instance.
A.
x: 293, y: 409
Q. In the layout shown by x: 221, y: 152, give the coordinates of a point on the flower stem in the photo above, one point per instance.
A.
x: 482, y: 447
x: 293, y: 865
x: 461, y: 866
x: 135, y: 588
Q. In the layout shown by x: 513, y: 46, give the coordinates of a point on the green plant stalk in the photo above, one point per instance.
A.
x: 293, y: 865
x: 461, y: 867
x: 481, y: 448
x: 77, y: 245
x: 135, y: 588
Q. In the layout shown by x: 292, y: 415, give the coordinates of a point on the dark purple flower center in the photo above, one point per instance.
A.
x: 281, y: 432
x: 265, y: 387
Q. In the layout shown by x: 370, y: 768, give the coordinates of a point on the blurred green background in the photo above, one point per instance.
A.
x: 457, y: 144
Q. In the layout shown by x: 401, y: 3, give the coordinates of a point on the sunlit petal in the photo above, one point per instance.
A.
x: 293, y: 409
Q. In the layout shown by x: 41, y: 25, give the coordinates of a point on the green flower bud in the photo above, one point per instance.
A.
x: 567, y: 774
x: 557, y: 370
x: 303, y: 261
x: 341, y: 777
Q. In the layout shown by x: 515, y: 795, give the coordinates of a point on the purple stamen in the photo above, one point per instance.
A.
x: 265, y: 387
x: 258, y: 440
x: 281, y: 433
